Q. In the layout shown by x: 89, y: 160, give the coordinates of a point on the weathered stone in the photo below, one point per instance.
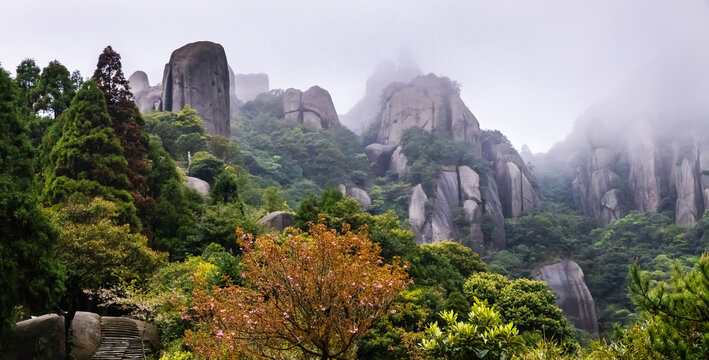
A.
x: 469, y: 183
x: 611, y: 207
x: 313, y: 108
x: 445, y: 207
x: 399, y: 163
x: 430, y: 103
x: 249, y: 86
x: 603, y: 158
x: 279, y: 220
x: 474, y: 217
x: 198, y: 75
x: 362, y: 198
x: 494, y: 208
x: 86, y: 328
x: 689, y: 206
x: 343, y: 189
x: 417, y: 213
x: 379, y: 157
x: 37, y: 339
x: 200, y: 185
x: 566, y: 280
x: 642, y: 179
x: 138, y: 81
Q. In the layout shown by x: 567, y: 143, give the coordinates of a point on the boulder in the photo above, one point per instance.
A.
x: 566, y: 280
x: 313, y: 108
x: 200, y: 185
x: 37, y: 339
x: 278, y: 220
x: 379, y: 157
x: 138, y: 81
x: 147, y: 98
x: 249, y: 86
x: 362, y: 198
x: 474, y: 218
x: 86, y: 328
x: 611, y: 207
x: 430, y: 103
x: 198, y: 75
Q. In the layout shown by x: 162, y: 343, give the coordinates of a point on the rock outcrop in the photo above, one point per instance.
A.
x: 147, y: 98
x: 38, y: 338
x: 313, y: 109
x: 566, y: 280
x: 456, y: 196
x: 279, y: 220
x: 249, y: 86
x: 362, y: 197
x: 431, y: 103
x: 201, y: 186
x: 86, y: 329
x: 379, y: 157
x: 364, y: 113
x: 514, y: 180
x: 198, y: 75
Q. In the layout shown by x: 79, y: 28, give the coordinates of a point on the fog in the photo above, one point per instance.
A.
x: 527, y: 68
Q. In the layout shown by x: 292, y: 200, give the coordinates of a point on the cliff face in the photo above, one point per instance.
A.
x: 464, y: 205
x: 566, y: 280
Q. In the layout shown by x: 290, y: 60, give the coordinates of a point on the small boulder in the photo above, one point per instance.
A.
x: 200, y: 185
x: 379, y: 157
x: 278, y: 220
x: 37, y: 339
x: 362, y: 198
x: 86, y: 328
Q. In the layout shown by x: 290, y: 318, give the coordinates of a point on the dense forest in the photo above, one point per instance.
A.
x: 99, y: 215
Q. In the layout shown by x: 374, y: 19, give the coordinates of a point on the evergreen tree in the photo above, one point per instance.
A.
x: 88, y: 157
x: 55, y: 89
x: 127, y: 124
x: 31, y: 276
x: 27, y: 80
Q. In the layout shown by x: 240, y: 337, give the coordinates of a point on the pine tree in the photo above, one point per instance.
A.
x: 127, y: 124
x: 31, y: 276
x: 88, y: 158
x: 55, y: 89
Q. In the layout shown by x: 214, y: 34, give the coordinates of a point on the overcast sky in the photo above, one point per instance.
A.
x: 527, y: 67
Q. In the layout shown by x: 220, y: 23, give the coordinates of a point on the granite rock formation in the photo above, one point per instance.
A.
x: 249, y: 86
x: 364, y: 113
x: 431, y: 103
x: 313, y: 109
x: 201, y: 186
x: 147, y: 98
x: 198, y: 75
x: 566, y: 280
x: 279, y: 220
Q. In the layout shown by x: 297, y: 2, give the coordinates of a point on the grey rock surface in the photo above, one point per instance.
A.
x: 138, y: 81
x: 200, y: 185
x: 86, y: 328
x: 249, y: 86
x: 147, y: 98
x: 445, y: 207
x: 39, y: 338
x: 566, y: 280
x: 362, y: 198
x: 399, y: 163
x: 494, y: 208
x: 279, y: 220
x: 430, y: 103
x: 379, y: 157
x: 198, y: 74
x: 313, y: 108
x: 417, y: 213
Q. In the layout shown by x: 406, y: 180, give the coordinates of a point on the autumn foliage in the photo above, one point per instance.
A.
x: 308, y: 296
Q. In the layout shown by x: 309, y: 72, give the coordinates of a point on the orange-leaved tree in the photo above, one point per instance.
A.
x: 309, y: 296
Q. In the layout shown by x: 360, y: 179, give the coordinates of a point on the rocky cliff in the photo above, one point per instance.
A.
x: 645, y: 147
x: 464, y: 205
x: 566, y: 280
x: 198, y: 74
x: 313, y: 108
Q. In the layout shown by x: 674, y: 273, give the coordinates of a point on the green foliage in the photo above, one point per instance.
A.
x: 31, y: 276
x: 445, y: 264
x: 88, y: 157
x: 27, y: 79
x: 527, y: 303
x: 184, y: 132
x: 225, y: 188
x: 206, y: 166
x: 272, y: 200
x: 427, y: 152
x: 484, y: 336
x: 677, y: 311
x: 55, y: 89
x: 218, y: 224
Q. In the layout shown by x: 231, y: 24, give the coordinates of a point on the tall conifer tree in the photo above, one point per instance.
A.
x: 128, y: 125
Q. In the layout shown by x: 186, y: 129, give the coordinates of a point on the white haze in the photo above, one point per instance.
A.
x: 527, y: 68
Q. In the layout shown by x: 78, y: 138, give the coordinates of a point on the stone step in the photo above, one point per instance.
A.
x: 120, y: 339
